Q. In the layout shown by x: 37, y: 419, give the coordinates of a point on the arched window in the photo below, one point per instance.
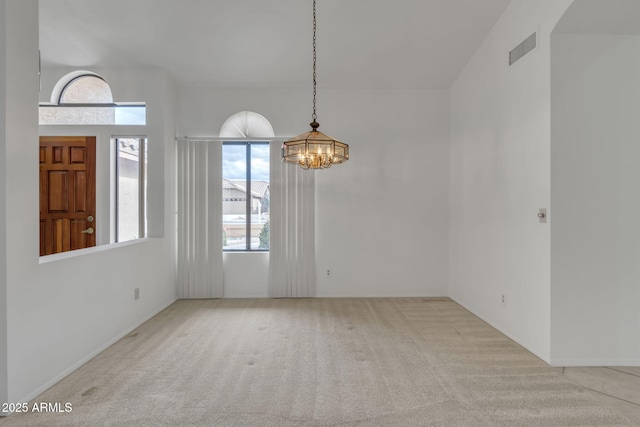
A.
x: 246, y: 124
x: 86, y: 89
x: 85, y: 98
x: 246, y: 190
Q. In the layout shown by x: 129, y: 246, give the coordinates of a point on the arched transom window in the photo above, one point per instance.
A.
x: 86, y: 89
x: 246, y: 124
x: 85, y: 98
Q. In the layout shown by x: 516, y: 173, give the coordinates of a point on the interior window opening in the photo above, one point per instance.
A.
x: 130, y: 188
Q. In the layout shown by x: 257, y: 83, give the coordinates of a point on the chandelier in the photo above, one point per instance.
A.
x: 314, y: 149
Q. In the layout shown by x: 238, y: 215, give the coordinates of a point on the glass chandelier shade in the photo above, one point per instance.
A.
x: 314, y: 149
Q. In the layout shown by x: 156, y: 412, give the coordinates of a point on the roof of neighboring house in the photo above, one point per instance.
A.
x: 258, y: 188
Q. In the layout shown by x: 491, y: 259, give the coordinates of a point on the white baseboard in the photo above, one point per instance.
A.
x: 245, y: 297
x: 258, y: 296
x: 594, y: 362
x: 545, y: 358
x: 379, y: 296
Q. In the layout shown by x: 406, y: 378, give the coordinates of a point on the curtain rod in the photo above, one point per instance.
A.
x: 219, y: 138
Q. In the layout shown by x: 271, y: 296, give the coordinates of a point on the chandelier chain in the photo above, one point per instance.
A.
x: 313, y: 149
x: 314, y: 116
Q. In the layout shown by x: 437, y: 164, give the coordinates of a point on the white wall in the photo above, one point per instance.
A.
x: 382, y: 217
x: 61, y: 311
x: 500, y: 177
x: 246, y: 274
x: 21, y: 125
x: 595, y: 241
x: 4, y: 83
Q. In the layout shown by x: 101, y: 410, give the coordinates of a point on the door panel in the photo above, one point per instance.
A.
x: 80, y: 192
x: 58, y: 190
x: 67, y: 193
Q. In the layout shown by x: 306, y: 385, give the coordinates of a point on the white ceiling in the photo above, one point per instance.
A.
x: 606, y: 17
x: 267, y: 43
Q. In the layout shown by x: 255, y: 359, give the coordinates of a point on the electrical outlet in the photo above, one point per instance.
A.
x: 503, y: 299
x: 136, y: 293
x: 328, y: 272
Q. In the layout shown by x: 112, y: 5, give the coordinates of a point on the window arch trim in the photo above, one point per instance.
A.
x: 69, y: 79
x: 75, y: 79
x: 246, y: 125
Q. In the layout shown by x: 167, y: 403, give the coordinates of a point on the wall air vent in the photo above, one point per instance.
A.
x: 523, y: 48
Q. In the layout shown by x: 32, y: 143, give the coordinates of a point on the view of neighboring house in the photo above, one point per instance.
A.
x: 234, y: 211
x: 234, y: 194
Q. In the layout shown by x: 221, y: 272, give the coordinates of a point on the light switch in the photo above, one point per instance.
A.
x: 542, y: 215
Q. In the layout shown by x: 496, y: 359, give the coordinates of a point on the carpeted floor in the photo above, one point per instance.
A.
x: 317, y: 362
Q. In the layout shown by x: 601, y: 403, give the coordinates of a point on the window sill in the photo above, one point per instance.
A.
x: 224, y: 253
x: 80, y: 252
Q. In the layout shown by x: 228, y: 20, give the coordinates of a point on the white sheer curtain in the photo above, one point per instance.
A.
x: 292, y: 265
x: 200, y: 236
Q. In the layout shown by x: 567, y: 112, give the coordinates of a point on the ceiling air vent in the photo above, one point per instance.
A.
x: 522, y: 49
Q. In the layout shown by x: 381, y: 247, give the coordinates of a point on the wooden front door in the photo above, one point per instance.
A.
x: 67, y: 193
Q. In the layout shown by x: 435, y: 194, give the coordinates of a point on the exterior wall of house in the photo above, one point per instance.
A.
x: 235, y: 201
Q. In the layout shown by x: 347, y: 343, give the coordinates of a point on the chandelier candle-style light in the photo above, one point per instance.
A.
x: 314, y: 149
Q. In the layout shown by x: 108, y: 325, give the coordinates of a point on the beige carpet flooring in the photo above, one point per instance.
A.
x: 318, y: 362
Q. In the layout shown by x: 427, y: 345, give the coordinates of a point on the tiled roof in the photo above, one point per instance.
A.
x: 258, y: 188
